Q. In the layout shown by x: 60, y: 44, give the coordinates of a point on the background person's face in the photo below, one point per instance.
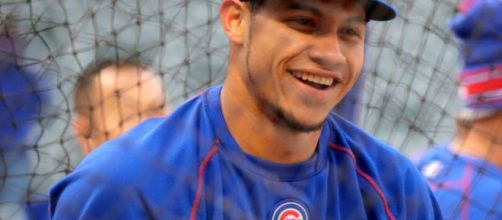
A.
x: 302, y: 57
x: 122, y: 100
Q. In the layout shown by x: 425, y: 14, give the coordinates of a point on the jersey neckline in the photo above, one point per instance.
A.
x: 248, y: 163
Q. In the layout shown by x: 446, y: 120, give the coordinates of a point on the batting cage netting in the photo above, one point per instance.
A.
x: 407, y: 95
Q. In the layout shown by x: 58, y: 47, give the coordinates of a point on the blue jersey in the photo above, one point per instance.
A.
x: 465, y: 187
x: 188, y: 166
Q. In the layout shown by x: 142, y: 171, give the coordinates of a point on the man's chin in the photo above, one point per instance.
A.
x: 305, y: 127
x: 296, y: 124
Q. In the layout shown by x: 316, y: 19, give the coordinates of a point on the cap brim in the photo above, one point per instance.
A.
x: 379, y: 11
x: 376, y: 10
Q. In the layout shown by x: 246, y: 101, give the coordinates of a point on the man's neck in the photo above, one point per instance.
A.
x: 258, y: 136
x: 481, y: 143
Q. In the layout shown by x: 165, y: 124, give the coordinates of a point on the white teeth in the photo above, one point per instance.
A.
x: 326, y: 81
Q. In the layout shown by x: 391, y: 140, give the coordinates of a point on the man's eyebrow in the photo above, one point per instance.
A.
x: 300, y: 6
x: 357, y: 19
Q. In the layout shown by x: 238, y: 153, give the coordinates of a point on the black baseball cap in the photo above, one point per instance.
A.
x: 377, y: 10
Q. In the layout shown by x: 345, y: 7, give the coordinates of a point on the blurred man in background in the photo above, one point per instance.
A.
x: 113, y: 96
x: 466, y: 174
x: 110, y: 98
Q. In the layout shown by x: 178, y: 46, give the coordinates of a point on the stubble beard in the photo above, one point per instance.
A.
x: 275, y: 113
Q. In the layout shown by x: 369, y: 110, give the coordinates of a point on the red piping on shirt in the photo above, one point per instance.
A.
x: 202, y: 169
x: 465, y: 186
x: 367, y: 178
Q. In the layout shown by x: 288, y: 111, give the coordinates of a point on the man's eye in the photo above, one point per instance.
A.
x: 302, y: 23
x: 350, y: 32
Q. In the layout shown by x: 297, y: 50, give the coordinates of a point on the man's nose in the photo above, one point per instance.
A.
x: 327, y: 52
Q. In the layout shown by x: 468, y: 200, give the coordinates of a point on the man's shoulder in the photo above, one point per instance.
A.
x: 157, y: 159
x: 374, y: 157
x: 436, y: 153
x: 383, y: 169
x: 362, y: 143
x: 178, y: 141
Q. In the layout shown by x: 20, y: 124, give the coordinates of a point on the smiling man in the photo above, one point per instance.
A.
x: 264, y: 144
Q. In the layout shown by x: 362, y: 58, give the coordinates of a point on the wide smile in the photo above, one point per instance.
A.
x: 315, y: 81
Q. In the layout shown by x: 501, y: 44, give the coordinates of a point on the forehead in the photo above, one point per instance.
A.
x: 126, y: 77
x: 126, y: 74
x: 314, y: 4
x: 323, y: 8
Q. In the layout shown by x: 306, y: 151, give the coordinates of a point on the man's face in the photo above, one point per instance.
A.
x: 302, y: 57
x: 123, y: 97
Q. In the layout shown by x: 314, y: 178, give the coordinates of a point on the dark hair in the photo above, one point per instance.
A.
x: 255, y: 5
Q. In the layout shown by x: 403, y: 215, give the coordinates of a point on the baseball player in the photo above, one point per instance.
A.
x: 466, y: 174
x: 262, y: 145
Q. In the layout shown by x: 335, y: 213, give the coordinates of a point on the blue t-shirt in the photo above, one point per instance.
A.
x: 465, y: 187
x: 188, y: 166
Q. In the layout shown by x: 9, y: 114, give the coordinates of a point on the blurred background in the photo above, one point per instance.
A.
x: 407, y: 96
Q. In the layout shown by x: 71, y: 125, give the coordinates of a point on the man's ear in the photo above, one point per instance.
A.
x: 81, y: 128
x: 233, y: 20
